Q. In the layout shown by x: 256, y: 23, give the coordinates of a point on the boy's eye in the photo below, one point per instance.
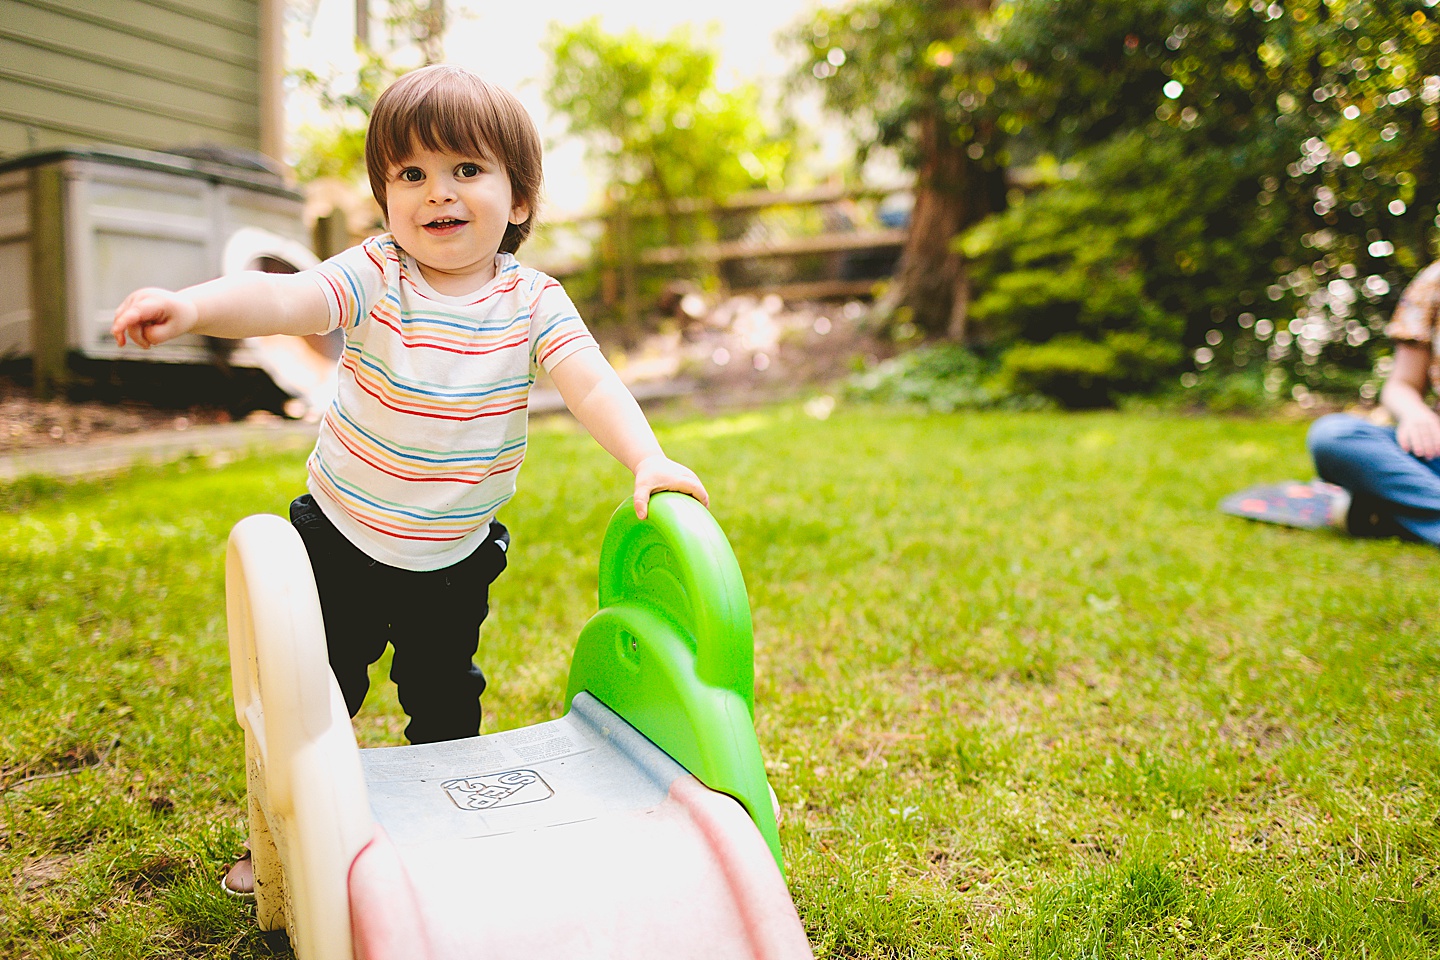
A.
x: 468, y: 170
x: 412, y: 174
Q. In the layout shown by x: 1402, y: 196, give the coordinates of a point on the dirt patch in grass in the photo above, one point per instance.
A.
x: 67, y: 762
x: 38, y: 872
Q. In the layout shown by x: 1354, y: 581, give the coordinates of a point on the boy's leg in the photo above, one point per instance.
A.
x: 350, y: 585
x: 1393, y: 490
x: 435, y: 633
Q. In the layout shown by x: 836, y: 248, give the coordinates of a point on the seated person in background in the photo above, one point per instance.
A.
x: 1392, y: 474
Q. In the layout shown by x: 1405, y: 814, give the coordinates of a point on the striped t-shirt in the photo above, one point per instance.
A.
x: 427, y: 431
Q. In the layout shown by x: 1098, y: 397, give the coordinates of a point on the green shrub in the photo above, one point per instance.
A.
x: 1103, y: 284
x: 1243, y: 391
x: 941, y: 377
x: 1079, y: 373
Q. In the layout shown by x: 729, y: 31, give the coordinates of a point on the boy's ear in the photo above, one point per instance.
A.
x: 519, y: 213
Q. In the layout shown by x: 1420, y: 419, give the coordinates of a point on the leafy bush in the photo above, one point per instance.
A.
x: 1069, y: 370
x: 1244, y: 391
x: 941, y: 377
x: 1144, y: 239
x: 1080, y: 373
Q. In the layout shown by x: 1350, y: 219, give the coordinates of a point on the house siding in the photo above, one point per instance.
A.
x: 153, y: 74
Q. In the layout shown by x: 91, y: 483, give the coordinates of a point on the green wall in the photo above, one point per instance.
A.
x: 139, y: 73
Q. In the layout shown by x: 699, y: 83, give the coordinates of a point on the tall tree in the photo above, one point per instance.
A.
x: 899, y: 70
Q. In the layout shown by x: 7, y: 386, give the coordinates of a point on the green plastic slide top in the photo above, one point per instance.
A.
x: 671, y: 650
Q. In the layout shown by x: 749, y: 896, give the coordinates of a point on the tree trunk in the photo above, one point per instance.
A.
x: 952, y: 192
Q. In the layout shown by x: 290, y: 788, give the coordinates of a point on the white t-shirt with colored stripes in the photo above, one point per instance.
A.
x: 427, y: 431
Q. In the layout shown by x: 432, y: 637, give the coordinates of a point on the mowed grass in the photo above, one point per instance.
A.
x: 1022, y: 691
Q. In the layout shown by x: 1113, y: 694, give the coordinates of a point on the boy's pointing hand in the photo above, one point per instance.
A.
x: 150, y: 316
x: 659, y: 472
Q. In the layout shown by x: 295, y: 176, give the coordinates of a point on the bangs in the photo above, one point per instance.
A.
x: 452, y: 110
x: 444, y: 122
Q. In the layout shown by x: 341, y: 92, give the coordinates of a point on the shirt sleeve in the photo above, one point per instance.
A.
x: 1414, y: 317
x: 352, y: 282
x: 556, y: 330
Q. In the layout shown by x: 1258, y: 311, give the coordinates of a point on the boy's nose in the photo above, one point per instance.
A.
x: 441, y: 193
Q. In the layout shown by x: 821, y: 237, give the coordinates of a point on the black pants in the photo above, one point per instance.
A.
x: 432, y: 618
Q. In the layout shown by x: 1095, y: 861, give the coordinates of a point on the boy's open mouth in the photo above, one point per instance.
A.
x: 445, y: 223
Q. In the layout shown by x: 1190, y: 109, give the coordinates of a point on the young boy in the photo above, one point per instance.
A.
x: 444, y: 331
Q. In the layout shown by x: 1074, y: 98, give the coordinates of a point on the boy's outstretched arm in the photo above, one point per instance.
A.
x: 593, y: 392
x: 246, y: 304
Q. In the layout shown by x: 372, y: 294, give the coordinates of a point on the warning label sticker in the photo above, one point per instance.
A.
x: 507, y: 789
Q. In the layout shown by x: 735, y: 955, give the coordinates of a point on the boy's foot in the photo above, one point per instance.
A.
x: 239, y: 880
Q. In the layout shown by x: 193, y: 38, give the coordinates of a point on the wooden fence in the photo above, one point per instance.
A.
x: 814, y: 244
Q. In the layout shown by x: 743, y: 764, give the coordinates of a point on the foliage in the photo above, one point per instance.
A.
x: 1146, y: 240
x: 942, y: 377
x: 338, y: 150
x: 894, y: 69
x: 1268, y: 104
x: 650, y: 113
x: 1251, y: 390
x: 414, y: 31
x: 1311, y: 124
x: 1366, y: 81
x: 1117, y: 248
x: 886, y: 64
x: 668, y: 140
x: 1019, y: 689
x: 1068, y: 74
x: 1080, y: 373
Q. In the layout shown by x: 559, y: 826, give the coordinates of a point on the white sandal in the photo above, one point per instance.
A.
x: 229, y: 877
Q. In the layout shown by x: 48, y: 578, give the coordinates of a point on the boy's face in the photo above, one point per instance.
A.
x: 449, y: 211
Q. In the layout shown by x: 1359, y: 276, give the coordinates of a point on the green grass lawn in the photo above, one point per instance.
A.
x: 1022, y: 691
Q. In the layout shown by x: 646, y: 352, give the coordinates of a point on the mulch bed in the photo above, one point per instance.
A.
x: 27, y: 423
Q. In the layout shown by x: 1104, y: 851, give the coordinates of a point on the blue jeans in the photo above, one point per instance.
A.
x: 1399, y: 491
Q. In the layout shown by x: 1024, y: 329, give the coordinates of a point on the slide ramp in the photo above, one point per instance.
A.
x: 572, y: 838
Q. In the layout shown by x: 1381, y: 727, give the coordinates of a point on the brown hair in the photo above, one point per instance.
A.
x: 448, y: 108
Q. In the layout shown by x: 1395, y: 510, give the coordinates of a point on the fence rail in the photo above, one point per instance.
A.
x: 821, y: 243
x: 787, y: 247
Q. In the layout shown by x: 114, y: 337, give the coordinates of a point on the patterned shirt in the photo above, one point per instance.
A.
x: 427, y: 431
x: 1415, y: 317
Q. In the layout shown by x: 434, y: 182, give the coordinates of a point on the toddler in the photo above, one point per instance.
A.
x: 444, y: 332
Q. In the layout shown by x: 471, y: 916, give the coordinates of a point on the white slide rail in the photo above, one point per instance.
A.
x: 308, y: 802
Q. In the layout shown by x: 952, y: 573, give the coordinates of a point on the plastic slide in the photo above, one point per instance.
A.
x: 638, y: 825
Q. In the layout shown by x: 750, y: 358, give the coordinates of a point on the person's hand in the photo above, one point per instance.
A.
x: 657, y: 473
x: 1419, y: 433
x: 150, y: 316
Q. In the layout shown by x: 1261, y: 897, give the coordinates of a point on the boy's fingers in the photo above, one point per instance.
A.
x: 136, y: 314
x: 690, y: 487
x: 693, y: 489
x: 643, y: 490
